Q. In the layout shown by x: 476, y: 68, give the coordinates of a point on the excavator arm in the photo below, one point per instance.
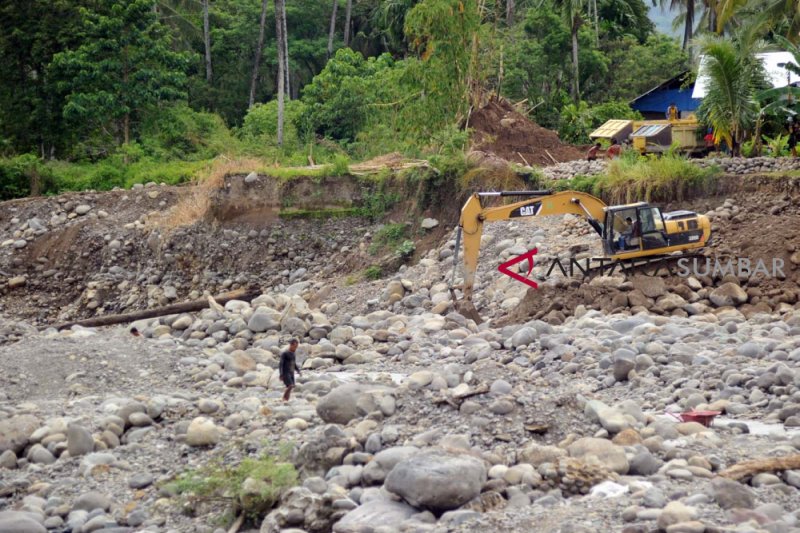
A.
x: 538, y: 203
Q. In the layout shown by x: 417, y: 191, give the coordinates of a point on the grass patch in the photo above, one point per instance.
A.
x: 251, y: 488
x: 389, y: 236
x: 294, y: 214
x: 649, y: 178
x: 373, y: 272
x: 634, y: 178
x: 376, y: 204
x: 585, y: 184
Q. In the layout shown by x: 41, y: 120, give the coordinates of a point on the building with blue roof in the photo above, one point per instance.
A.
x: 654, y: 103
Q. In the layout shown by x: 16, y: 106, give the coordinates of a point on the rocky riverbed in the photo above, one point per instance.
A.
x: 409, y: 417
x: 727, y: 165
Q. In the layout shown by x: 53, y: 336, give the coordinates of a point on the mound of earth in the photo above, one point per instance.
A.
x: 502, y: 131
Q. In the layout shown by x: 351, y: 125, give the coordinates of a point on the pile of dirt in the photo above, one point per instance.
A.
x: 502, y: 131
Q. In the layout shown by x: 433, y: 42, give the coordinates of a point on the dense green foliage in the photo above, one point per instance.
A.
x: 577, y: 122
x: 735, y: 75
x: 102, y: 93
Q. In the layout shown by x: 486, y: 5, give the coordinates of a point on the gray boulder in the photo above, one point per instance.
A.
x: 373, y: 514
x: 611, y: 455
x: 384, y: 461
x: 15, y: 431
x: 437, y: 480
x: 728, y: 294
x: 20, y: 522
x: 79, y: 441
x: 730, y: 494
x: 350, y: 401
x: 523, y: 336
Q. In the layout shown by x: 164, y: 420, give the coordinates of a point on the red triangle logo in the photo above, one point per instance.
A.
x: 505, y: 268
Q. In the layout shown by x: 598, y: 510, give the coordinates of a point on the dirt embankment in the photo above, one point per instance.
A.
x: 504, y: 132
x: 83, y: 254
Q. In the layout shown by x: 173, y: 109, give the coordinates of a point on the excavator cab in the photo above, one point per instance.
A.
x: 637, y: 230
x: 632, y: 228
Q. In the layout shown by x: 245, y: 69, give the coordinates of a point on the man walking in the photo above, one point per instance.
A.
x: 287, y: 367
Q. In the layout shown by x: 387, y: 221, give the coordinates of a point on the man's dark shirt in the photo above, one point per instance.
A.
x: 288, y: 364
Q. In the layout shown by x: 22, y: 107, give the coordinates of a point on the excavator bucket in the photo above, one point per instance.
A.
x: 464, y: 306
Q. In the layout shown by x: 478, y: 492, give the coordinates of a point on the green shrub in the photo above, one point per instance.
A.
x: 373, y: 272
x: 377, y: 204
x: 405, y: 249
x: 777, y: 146
x: 179, y: 132
x: 261, y: 124
x: 338, y: 99
x: 587, y: 184
x: 23, y: 175
x: 252, y: 487
x: 388, y: 236
x: 578, y: 121
x: 341, y: 165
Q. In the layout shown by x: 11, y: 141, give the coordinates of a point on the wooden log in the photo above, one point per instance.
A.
x: 245, y: 294
x: 752, y: 467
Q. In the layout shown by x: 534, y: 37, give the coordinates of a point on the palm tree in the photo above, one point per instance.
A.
x: 180, y: 15
x: 390, y: 16
x: 734, y: 77
x: 259, y: 49
x: 784, y: 17
x: 332, y: 31
x: 280, y: 25
x: 572, y: 11
x: 347, y: 13
x: 207, y: 41
x: 686, y: 8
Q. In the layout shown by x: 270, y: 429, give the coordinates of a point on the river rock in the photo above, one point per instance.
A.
x: 15, y: 431
x: 536, y: 454
x: 202, y: 432
x: 20, y: 522
x: 374, y: 514
x: 611, y: 455
x: 728, y: 294
x: 89, y: 501
x: 437, y: 480
x: 79, y: 440
x: 674, y: 513
x: 350, y: 401
x: 731, y: 494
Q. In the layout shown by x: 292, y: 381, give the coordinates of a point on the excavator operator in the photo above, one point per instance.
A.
x: 631, y: 233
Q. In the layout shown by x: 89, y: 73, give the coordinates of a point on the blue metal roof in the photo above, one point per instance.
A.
x: 658, y: 101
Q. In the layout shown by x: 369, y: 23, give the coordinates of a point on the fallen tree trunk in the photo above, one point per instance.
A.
x: 246, y: 294
x: 752, y: 467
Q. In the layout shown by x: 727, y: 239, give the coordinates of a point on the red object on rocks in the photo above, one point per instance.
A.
x: 703, y: 417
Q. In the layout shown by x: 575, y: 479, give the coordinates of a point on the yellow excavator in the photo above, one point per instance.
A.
x: 629, y: 232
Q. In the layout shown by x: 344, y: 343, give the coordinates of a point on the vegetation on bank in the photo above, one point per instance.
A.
x: 634, y: 178
x: 81, y: 108
x: 249, y: 489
